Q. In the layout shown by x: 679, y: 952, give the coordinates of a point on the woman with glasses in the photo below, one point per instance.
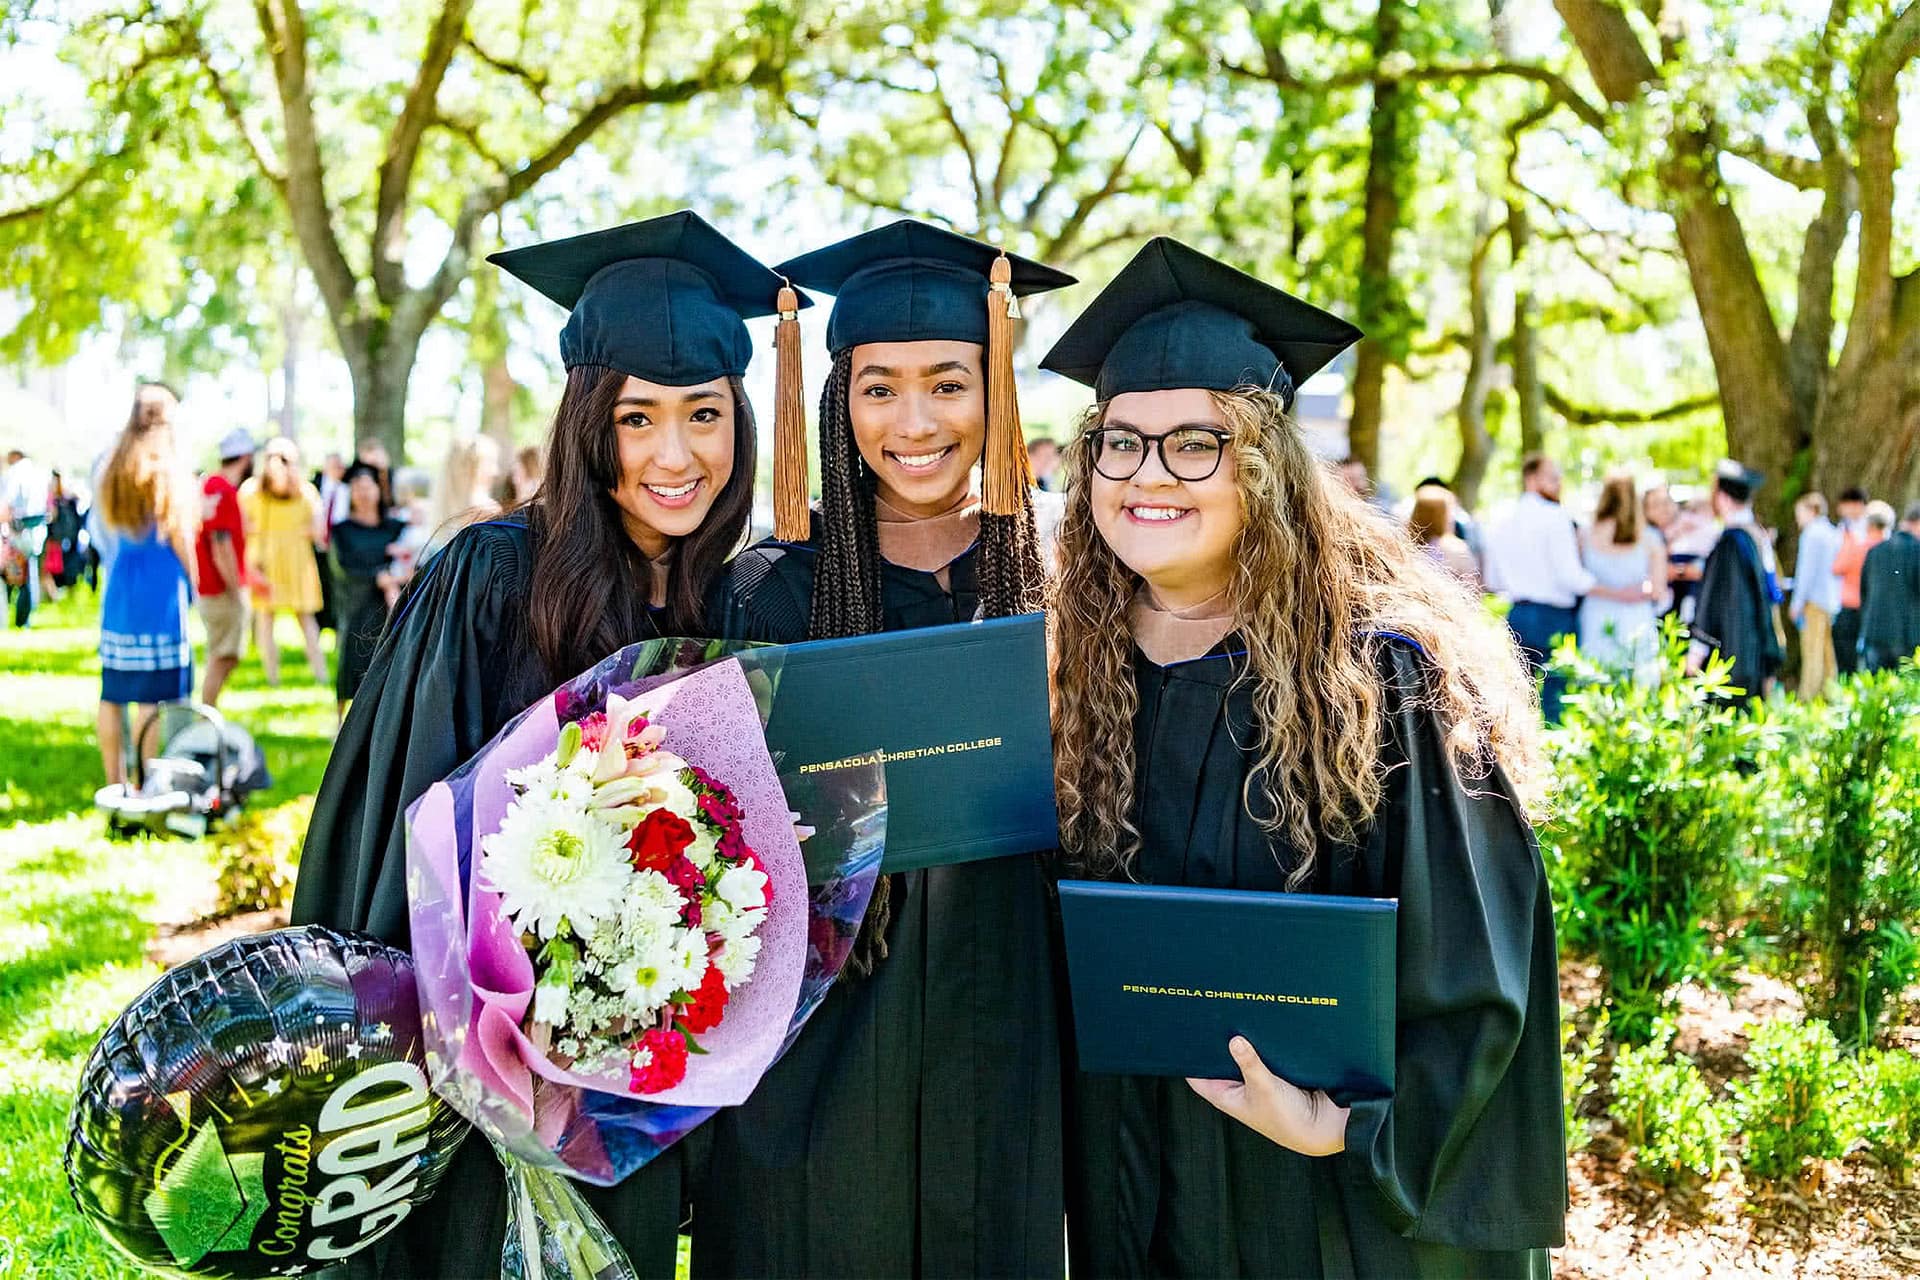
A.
x: 1261, y: 685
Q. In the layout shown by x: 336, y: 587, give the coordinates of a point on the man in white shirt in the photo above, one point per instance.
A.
x: 1816, y: 593
x: 23, y: 505
x: 1533, y: 559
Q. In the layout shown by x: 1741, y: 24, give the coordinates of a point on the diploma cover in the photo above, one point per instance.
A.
x: 1163, y: 976
x: 959, y: 716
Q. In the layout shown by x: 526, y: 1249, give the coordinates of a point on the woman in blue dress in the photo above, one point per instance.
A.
x: 145, y: 504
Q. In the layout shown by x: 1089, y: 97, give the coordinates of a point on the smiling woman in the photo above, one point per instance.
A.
x: 912, y: 1130
x: 1271, y: 689
x: 648, y: 489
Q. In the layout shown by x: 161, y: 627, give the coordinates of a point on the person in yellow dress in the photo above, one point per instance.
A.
x: 284, y: 523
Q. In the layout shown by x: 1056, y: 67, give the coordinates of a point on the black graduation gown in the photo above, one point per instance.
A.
x: 1890, y: 602
x: 457, y: 663
x: 1734, y: 613
x: 914, y: 1127
x: 356, y: 555
x: 1463, y: 1173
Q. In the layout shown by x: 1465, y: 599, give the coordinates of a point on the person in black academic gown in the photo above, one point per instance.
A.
x: 1890, y: 597
x: 914, y: 1127
x: 1733, y: 616
x: 359, y: 561
x: 648, y: 490
x: 1261, y: 686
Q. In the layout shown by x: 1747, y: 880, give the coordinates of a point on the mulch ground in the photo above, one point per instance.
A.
x: 1849, y: 1219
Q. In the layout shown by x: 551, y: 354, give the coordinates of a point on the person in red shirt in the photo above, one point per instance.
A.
x: 1858, y: 537
x: 221, y: 552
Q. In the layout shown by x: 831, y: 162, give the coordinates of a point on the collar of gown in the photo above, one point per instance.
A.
x: 1168, y: 636
x: 930, y: 543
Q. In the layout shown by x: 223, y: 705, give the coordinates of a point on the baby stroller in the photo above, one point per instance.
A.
x: 202, y: 775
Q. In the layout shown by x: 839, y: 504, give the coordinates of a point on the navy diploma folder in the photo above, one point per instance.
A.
x: 1163, y: 976
x: 959, y: 715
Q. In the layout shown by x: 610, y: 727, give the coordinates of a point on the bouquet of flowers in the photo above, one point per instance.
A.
x: 615, y: 931
x: 628, y: 873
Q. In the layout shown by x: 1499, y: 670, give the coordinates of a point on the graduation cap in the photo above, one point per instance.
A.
x: 665, y: 299
x: 914, y: 282
x: 1174, y: 318
x: 1737, y: 480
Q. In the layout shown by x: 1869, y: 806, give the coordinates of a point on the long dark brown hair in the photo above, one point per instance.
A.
x: 581, y: 611
x: 846, y: 581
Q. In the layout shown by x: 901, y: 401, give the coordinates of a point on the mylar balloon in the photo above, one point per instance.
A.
x: 262, y: 1110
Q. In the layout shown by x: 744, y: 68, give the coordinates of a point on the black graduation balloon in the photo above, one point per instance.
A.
x: 262, y: 1110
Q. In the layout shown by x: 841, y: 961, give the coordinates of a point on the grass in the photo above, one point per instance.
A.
x: 77, y: 909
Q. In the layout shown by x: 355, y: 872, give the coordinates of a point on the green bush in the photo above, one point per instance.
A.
x: 1796, y: 1105
x: 1669, y: 1114
x: 1652, y: 811
x: 1843, y: 792
x: 1887, y: 1107
x: 1577, y: 1062
x: 259, y: 857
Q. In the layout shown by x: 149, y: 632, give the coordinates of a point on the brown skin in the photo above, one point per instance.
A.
x: 671, y: 438
x: 919, y: 399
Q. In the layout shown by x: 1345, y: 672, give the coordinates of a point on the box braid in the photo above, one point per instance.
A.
x: 847, y: 591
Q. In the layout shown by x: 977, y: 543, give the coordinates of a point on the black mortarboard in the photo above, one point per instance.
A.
x: 1174, y: 317
x: 911, y: 282
x: 1737, y: 480
x: 663, y: 299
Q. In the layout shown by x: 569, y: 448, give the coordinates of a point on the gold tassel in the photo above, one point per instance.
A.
x: 1005, y: 473
x: 790, y: 518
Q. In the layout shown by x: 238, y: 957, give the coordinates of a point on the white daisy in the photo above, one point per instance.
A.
x: 550, y: 862
x: 735, y: 959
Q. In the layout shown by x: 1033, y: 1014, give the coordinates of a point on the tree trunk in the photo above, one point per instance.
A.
x: 380, y: 394
x: 1377, y: 296
x: 1476, y: 445
x: 1526, y: 354
x: 290, y: 369
x: 496, y: 406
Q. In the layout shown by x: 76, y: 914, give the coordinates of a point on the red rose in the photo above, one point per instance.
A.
x: 709, y: 1004
x: 665, y: 1051
x: 660, y: 839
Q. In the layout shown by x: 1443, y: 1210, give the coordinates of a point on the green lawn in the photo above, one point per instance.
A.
x: 77, y: 910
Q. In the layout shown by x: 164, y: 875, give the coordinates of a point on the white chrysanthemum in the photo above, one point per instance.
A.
x: 690, y: 960
x: 545, y: 781
x: 743, y: 887
x: 645, y: 974
x: 726, y: 923
x: 735, y: 959
x: 550, y: 862
x: 651, y: 897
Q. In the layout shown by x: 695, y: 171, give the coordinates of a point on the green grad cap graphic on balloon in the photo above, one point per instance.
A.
x: 209, y: 1202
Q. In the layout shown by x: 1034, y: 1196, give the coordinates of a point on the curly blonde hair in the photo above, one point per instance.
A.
x: 144, y: 482
x: 1320, y: 583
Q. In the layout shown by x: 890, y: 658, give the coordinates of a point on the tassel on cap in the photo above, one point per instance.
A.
x: 1006, y: 474
x: 790, y: 515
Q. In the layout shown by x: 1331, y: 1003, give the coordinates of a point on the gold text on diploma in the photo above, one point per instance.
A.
x: 1193, y: 993
x: 909, y: 753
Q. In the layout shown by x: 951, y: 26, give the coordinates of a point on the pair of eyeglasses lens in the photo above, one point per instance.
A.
x: 1191, y: 453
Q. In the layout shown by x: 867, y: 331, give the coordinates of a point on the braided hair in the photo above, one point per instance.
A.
x: 847, y: 575
x: 847, y: 598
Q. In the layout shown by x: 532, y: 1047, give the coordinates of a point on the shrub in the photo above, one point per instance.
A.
x: 1844, y: 791
x: 259, y: 857
x: 1887, y: 1107
x: 1577, y: 1062
x: 1795, y: 1106
x: 1669, y: 1114
x: 1653, y: 807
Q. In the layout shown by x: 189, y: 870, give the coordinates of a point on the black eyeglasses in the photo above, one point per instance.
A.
x: 1186, y: 453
